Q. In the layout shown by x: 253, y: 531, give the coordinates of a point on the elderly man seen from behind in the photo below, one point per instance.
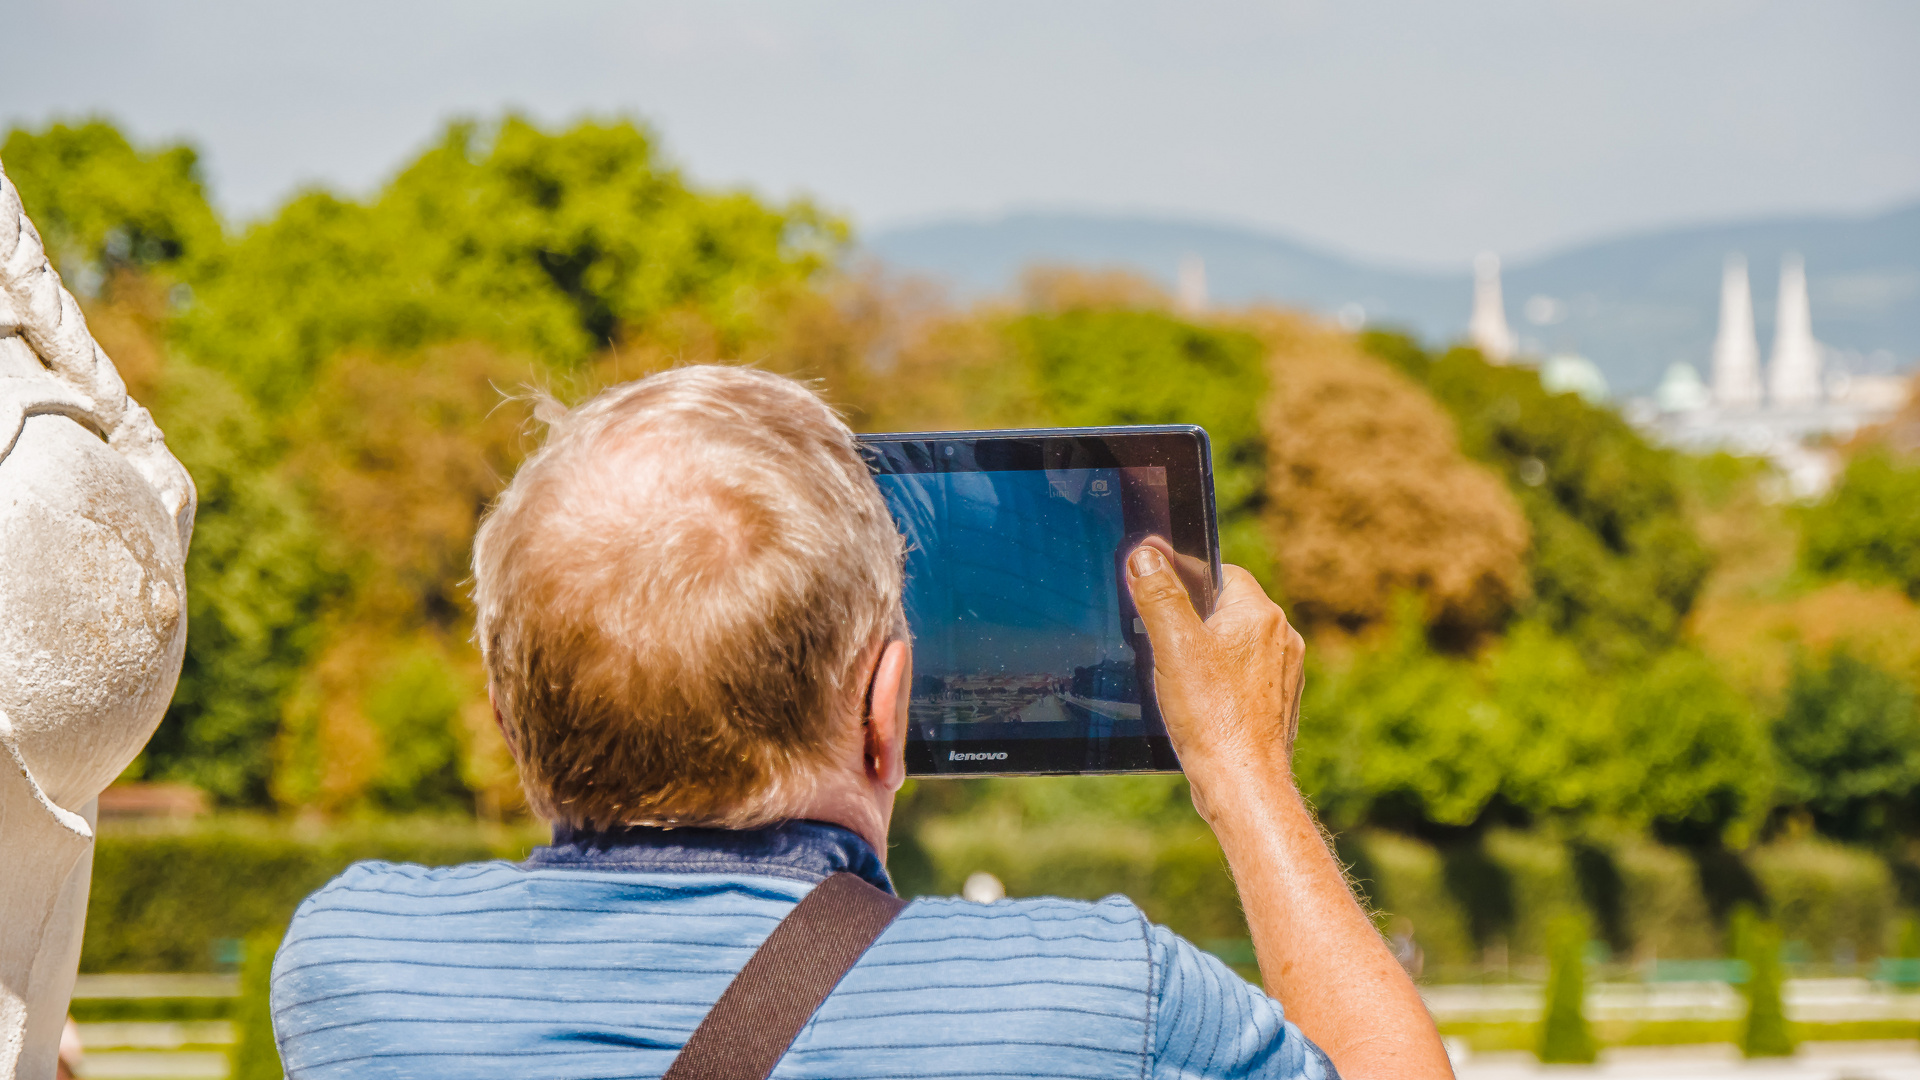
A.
x: 690, y: 608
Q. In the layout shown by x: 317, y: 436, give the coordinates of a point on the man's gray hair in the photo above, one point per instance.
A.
x: 675, y: 597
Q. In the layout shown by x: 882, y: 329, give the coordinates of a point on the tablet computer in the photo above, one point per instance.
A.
x: 1028, y: 656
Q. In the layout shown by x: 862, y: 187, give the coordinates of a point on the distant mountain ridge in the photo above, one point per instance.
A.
x: 1633, y: 304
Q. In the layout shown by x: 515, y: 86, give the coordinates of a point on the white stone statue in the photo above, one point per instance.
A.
x: 95, y: 515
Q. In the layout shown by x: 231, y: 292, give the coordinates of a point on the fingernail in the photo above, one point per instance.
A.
x: 1146, y: 560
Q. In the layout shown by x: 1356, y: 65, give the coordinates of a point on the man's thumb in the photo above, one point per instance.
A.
x: 1160, y: 596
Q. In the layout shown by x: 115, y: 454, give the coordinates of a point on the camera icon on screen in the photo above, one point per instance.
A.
x: 1098, y: 487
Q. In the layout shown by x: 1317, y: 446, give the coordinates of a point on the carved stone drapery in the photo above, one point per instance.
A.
x: 95, y: 516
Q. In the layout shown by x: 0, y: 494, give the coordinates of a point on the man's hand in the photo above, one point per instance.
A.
x: 1229, y: 687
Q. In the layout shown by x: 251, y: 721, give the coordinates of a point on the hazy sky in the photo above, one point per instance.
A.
x: 1400, y: 129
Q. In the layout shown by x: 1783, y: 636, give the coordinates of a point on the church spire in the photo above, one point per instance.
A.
x: 1736, y: 352
x: 1793, y: 372
x: 1488, y: 329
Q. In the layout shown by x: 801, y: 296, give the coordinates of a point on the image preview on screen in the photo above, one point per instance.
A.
x: 1022, y: 625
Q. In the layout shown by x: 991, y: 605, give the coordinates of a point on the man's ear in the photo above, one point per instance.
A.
x: 886, y: 728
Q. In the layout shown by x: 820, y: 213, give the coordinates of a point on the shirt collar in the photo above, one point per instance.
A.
x: 808, y: 851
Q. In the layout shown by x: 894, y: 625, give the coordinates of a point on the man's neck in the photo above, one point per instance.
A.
x: 853, y: 805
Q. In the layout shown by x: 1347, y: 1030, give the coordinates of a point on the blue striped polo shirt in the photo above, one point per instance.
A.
x: 599, y: 955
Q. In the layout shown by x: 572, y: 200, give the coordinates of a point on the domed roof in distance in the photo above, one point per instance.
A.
x: 1569, y: 374
x: 1682, y: 389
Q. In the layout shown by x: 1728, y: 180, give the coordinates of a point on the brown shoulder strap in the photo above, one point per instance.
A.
x: 785, y: 980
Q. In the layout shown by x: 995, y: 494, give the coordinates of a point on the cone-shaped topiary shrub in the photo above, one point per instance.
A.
x: 1564, y: 1034
x: 1757, y: 942
x: 254, y: 1054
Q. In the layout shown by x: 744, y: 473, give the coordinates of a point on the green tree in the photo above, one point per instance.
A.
x: 1669, y: 744
x: 1868, y: 528
x: 1401, y: 735
x: 103, y: 205
x: 1556, y: 718
x: 1690, y: 755
x: 1565, y: 1037
x: 416, y: 709
x: 1615, y: 563
x: 1848, y: 742
x: 255, y: 582
x: 555, y: 244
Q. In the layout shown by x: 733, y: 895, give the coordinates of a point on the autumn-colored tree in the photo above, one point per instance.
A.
x: 400, y: 457
x: 1369, y: 494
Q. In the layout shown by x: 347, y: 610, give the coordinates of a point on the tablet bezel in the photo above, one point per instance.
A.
x: 1185, y: 452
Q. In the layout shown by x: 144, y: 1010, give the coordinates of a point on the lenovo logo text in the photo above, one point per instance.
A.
x: 956, y: 755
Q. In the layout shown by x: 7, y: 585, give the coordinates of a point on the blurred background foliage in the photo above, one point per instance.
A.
x: 1540, y: 645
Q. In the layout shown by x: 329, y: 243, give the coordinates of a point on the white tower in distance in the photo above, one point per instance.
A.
x: 1736, y: 352
x: 1488, y: 329
x: 1793, y: 372
x: 1190, y: 290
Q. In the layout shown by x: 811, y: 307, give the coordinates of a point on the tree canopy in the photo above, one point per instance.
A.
x: 1869, y: 527
x: 102, y: 205
x: 1502, y: 585
x: 1370, y: 495
x: 332, y: 377
x: 1615, y: 563
x: 552, y: 245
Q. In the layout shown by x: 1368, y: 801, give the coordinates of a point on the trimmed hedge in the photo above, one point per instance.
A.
x: 180, y: 898
x: 1473, y: 906
x: 1829, y: 900
x: 1177, y: 875
x: 1470, y: 902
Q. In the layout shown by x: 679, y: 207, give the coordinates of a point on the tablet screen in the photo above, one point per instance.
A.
x: 1019, y: 610
x: 1028, y: 654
